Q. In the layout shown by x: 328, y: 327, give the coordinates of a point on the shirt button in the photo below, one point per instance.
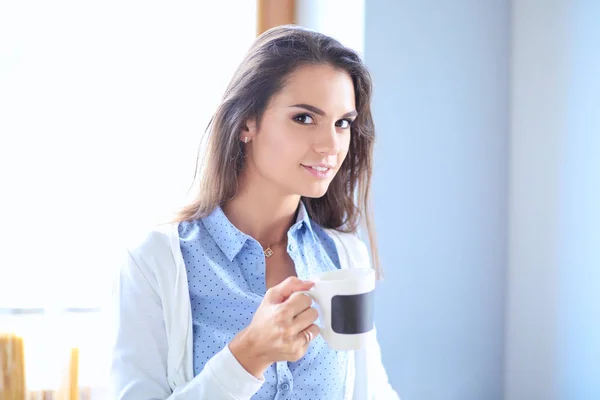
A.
x: 291, y: 247
x: 285, y: 386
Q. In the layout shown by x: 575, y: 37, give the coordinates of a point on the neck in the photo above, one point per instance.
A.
x: 261, y: 211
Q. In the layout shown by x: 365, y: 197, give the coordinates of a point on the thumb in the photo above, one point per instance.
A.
x: 280, y: 293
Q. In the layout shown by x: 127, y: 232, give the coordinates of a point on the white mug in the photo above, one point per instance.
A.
x: 344, y: 300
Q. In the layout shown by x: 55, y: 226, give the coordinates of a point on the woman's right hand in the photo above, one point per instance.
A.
x: 276, y: 331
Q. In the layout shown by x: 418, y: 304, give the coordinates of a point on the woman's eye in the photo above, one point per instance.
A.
x: 304, y: 119
x: 343, y: 123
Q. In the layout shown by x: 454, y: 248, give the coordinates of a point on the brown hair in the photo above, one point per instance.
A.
x: 272, y: 58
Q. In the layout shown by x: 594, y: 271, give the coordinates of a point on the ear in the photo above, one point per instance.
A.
x: 248, y: 130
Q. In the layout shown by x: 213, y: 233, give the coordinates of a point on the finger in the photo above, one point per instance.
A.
x: 308, y: 335
x: 305, y: 319
x: 315, y: 330
x: 297, y: 303
x: 279, y: 293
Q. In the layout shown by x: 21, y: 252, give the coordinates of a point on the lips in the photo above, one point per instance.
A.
x: 320, y: 170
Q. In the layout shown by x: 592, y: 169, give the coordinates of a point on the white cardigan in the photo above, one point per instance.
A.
x: 152, y: 352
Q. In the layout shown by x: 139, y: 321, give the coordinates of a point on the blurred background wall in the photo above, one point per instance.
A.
x: 441, y: 105
x: 553, y: 325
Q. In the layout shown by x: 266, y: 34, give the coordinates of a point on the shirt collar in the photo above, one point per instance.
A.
x: 231, y: 240
x: 302, y: 219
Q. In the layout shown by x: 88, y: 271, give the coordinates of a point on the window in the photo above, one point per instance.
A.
x: 103, y: 108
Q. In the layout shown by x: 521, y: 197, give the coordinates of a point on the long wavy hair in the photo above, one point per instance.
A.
x: 262, y: 74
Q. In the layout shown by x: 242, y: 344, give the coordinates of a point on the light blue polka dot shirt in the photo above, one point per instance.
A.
x: 226, y: 278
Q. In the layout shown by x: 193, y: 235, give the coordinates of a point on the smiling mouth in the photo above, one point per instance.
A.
x: 318, y: 171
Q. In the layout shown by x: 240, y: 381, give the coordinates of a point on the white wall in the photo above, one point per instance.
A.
x: 553, y: 326
x: 579, y: 294
x: 342, y: 19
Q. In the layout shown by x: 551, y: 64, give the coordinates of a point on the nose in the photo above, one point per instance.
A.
x: 327, y: 141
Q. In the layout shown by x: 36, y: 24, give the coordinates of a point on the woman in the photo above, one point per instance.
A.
x: 206, y: 306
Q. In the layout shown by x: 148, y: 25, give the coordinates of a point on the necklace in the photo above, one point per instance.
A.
x: 269, y: 251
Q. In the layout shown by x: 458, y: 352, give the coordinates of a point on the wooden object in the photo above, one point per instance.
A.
x: 272, y: 13
x: 12, y: 367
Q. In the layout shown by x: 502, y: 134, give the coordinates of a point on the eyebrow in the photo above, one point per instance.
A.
x: 320, y: 112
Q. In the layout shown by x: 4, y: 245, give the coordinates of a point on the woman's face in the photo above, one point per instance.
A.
x: 304, y: 134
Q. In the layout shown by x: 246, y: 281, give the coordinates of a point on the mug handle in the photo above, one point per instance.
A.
x: 311, y: 294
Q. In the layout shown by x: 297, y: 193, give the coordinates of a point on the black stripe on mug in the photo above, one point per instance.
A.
x: 352, y: 314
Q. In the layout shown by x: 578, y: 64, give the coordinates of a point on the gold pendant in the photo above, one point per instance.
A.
x: 268, y: 252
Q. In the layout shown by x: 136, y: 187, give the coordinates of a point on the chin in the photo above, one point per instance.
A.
x: 314, y: 192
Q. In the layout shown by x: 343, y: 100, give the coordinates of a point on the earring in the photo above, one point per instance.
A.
x: 245, y: 139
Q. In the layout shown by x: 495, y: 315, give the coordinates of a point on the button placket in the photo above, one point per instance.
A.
x: 284, y: 381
